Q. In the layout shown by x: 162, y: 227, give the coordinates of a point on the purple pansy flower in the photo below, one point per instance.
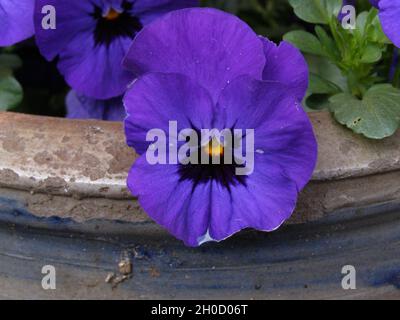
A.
x: 207, y: 69
x: 16, y: 21
x: 389, y: 14
x: 82, y: 107
x: 92, y: 37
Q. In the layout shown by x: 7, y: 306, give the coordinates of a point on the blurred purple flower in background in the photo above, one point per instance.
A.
x: 16, y: 21
x: 374, y: 2
x: 92, y: 37
x: 206, y: 69
x: 345, y: 3
x: 82, y: 107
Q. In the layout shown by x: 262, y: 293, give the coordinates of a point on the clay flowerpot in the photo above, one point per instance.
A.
x: 62, y: 183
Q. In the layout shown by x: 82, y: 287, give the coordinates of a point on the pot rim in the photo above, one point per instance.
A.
x: 88, y: 159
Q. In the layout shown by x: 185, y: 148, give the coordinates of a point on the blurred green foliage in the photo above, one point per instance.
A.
x: 11, y: 92
x: 271, y: 18
x: 351, y: 67
x: 44, y: 88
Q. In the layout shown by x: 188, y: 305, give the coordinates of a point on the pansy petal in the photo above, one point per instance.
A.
x: 389, y: 14
x: 16, y: 21
x: 207, y: 45
x: 170, y: 201
x: 156, y: 99
x: 73, y: 17
x: 264, y: 202
x: 283, y: 132
x: 95, y: 70
x: 286, y: 64
x: 82, y: 107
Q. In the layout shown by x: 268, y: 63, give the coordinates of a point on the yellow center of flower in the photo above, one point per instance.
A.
x: 112, y: 14
x: 214, y: 148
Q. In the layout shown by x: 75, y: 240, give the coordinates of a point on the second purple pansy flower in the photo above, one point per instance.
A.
x: 92, y: 37
x: 207, y: 69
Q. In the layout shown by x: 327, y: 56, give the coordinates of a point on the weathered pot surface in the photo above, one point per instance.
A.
x: 62, y: 183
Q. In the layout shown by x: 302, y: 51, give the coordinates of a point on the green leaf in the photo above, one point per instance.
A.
x: 376, y: 116
x: 327, y: 43
x: 370, y: 28
x: 319, y: 91
x: 361, y: 23
x: 375, y: 32
x: 10, y: 61
x: 364, y: 20
x: 327, y: 70
x: 11, y: 93
x: 372, y: 53
x: 316, y: 11
x: 320, y: 85
x: 305, y: 41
